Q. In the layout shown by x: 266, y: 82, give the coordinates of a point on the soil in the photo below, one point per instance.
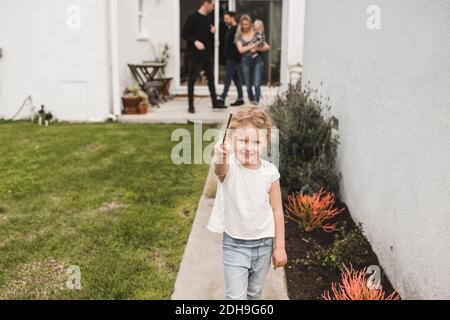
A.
x: 309, y: 283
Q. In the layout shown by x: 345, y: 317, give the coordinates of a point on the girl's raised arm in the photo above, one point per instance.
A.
x: 221, y: 166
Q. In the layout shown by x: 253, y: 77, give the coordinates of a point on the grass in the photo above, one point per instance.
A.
x: 104, y: 197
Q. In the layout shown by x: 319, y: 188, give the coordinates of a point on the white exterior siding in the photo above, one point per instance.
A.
x: 390, y: 91
x: 67, y: 70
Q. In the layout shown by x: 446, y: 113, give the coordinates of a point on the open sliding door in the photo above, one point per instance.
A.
x: 269, y: 11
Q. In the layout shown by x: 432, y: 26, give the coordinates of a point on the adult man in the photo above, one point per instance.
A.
x: 198, y: 31
x: 233, y: 58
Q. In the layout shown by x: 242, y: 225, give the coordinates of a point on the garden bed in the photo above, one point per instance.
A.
x: 320, y: 261
x: 306, y: 281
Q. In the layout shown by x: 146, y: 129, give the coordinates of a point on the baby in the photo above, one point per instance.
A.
x: 260, y: 37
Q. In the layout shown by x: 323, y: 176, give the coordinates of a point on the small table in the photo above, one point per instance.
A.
x: 146, y: 72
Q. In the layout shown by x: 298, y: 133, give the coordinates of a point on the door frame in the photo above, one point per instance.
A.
x: 203, y: 90
x: 216, y: 41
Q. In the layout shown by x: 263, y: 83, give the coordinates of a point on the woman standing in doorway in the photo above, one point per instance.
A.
x: 248, y: 44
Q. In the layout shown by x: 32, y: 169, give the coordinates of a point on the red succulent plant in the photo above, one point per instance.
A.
x: 355, y: 286
x: 312, y: 212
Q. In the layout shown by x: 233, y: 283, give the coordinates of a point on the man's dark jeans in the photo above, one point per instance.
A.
x: 197, y: 60
x: 233, y: 73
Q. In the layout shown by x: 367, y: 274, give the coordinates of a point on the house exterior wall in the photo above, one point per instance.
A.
x: 295, y: 26
x: 159, y: 23
x: 389, y: 88
x: 66, y: 70
x: 79, y: 74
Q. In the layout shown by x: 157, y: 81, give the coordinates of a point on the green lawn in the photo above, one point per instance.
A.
x: 104, y: 197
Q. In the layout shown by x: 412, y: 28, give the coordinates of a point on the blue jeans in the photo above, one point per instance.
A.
x: 253, y: 71
x: 246, y: 264
x: 232, y: 73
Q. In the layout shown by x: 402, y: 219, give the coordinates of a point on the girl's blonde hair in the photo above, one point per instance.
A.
x: 258, y: 24
x: 244, y: 17
x: 254, y: 116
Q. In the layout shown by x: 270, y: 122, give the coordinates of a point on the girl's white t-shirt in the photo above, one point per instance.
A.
x: 242, y: 207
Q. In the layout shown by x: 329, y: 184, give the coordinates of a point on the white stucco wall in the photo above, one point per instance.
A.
x: 160, y: 17
x: 295, y: 31
x: 390, y: 91
x: 67, y: 70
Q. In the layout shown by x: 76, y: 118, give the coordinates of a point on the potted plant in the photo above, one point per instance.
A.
x: 135, y: 101
x: 143, y: 107
x: 162, y: 55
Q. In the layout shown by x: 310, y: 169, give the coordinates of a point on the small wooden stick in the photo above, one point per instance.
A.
x: 228, y: 126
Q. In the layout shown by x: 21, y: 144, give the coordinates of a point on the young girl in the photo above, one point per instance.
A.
x: 260, y: 37
x: 248, y: 208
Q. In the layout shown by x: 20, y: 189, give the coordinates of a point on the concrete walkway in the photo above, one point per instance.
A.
x: 201, y: 272
x: 175, y: 111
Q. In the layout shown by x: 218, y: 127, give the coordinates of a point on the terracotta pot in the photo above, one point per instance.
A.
x: 143, y: 108
x: 131, y: 104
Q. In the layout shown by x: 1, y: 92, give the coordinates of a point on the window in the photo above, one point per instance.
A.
x: 142, y: 30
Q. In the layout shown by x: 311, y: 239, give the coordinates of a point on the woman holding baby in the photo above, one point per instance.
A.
x: 251, y: 43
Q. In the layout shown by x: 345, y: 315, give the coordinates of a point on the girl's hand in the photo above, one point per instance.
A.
x: 220, y: 162
x: 221, y: 152
x: 279, y: 258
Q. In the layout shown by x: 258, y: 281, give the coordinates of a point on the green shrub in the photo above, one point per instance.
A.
x: 308, y: 148
x: 348, y: 248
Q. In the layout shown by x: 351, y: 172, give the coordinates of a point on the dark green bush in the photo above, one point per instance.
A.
x: 307, y: 146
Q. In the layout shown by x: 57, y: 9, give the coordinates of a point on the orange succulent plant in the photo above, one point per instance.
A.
x: 312, y: 211
x: 355, y: 286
